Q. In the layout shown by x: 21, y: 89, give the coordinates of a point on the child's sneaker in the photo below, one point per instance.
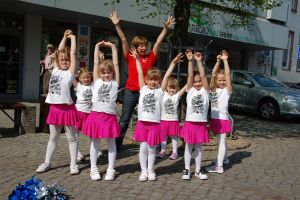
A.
x: 74, y: 169
x: 186, y: 174
x: 173, y: 156
x: 143, y: 176
x: 201, y: 175
x: 216, y: 169
x: 94, y: 174
x: 80, y: 157
x: 161, y: 154
x: 151, y: 175
x: 225, y: 161
x: 43, y: 168
x: 110, y: 175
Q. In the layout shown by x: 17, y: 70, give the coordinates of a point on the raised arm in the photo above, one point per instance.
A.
x: 217, y: 66
x: 63, y: 42
x: 72, y: 67
x: 115, y: 60
x: 97, y: 57
x: 190, y: 79
x: 167, y: 24
x: 224, y: 57
x: 139, y: 69
x: 199, y: 60
x: 116, y: 21
x: 168, y: 73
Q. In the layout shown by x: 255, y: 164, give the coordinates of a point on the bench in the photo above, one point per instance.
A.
x: 17, y: 107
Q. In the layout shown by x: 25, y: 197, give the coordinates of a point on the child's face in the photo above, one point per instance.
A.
x: 85, y: 79
x: 197, y: 84
x: 63, y: 62
x: 141, y: 49
x: 152, y: 83
x: 106, y: 75
x: 171, y: 91
x: 221, y: 81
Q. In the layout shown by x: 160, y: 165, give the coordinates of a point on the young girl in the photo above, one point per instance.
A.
x: 169, y: 116
x: 62, y: 110
x: 194, y: 130
x: 102, y: 121
x: 147, y: 130
x: 83, y: 90
x: 221, y: 89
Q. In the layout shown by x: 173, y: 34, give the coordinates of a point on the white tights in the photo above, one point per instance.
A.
x: 53, y: 140
x: 222, y: 148
x: 174, y: 144
x: 188, y: 155
x: 112, y: 152
x: 147, y: 153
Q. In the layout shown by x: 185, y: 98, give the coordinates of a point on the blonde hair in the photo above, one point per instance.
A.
x: 64, y: 52
x: 173, y: 83
x: 83, y: 71
x: 213, y: 80
x: 153, y: 74
x: 138, y: 40
x: 106, y: 65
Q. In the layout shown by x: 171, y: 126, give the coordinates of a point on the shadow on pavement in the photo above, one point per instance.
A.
x: 8, y: 133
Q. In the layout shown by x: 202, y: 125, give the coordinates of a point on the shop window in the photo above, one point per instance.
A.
x: 298, y: 56
x: 294, y: 5
x: 288, y: 54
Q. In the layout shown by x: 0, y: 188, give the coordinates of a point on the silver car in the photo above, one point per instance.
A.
x: 259, y: 93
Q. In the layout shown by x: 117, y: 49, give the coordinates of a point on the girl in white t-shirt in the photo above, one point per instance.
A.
x: 221, y: 89
x: 62, y: 111
x: 169, y: 114
x: 102, y: 121
x: 83, y: 91
x: 194, y: 130
x: 147, y: 130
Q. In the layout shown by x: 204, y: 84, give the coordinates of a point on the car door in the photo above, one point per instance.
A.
x: 243, y: 90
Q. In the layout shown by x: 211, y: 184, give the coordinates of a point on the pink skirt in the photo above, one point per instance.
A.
x: 62, y: 114
x: 220, y: 126
x: 101, y: 125
x: 81, y: 119
x: 147, y: 132
x: 169, y: 128
x: 195, y: 132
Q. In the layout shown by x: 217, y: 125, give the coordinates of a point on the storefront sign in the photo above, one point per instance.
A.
x: 83, y: 46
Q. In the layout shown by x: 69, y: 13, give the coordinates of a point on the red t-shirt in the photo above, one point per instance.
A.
x: 147, y: 62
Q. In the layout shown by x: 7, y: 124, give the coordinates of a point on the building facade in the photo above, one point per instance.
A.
x: 27, y: 26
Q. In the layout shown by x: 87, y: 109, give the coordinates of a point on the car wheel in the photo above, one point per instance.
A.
x: 269, y: 109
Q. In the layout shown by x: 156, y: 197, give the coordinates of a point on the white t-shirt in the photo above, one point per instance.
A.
x: 149, y: 107
x: 104, y: 98
x: 219, y: 104
x: 84, y: 97
x: 170, y: 107
x: 197, y: 105
x: 59, y: 87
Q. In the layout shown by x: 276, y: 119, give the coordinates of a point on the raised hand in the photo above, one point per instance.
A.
x: 109, y: 44
x: 67, y: 33
x: 134, y: 53
x: 178, y: 58
x: 198, y: 56
x: 189, y: 54
x: 114, y: 17
x: 224, y: 55
x: 169, y: 22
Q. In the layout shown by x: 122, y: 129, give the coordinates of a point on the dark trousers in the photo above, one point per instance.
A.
x: 130, y: 100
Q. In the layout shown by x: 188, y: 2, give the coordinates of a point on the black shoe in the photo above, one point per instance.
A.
x: 186, y: 175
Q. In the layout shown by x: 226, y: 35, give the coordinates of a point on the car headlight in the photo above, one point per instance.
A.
x: 291, y: 98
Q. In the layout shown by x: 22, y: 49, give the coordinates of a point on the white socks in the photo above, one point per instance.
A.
x: 147, y: 153
x: 188, y: 155
x: 222, y: 148
x: 174, y: 144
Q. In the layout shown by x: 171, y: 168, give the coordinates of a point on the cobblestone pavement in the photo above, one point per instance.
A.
x: 268, y: 169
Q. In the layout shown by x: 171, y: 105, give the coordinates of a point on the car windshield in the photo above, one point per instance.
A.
x: 266, y: 81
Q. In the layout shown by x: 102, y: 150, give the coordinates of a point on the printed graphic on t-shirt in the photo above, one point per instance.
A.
x: 214, y: 100
x: 197, y: 104
x: 87, y: 97
x: 149, y: 103
x: 169, y: 107
x: 103, y: 94
x: 55, y: 85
